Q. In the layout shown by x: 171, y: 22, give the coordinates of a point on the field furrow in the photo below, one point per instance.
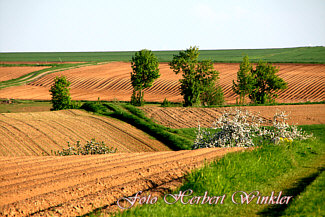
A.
x: 111, y: 81
x: 179, y: 117
x: 39, y: 133
x: 89, y: 186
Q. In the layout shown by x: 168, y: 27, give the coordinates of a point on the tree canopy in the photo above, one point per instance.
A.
x: 60, y: 92
x: 197, y: 75
x: 145, y: 70
x: 260, y: 84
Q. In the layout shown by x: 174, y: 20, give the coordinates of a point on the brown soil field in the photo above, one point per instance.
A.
x: 8, y: 73
x: 25, y: 134
x: 34, y: 62
x: 76, y: 185
x: 112, y: 81
x: 179, y: 117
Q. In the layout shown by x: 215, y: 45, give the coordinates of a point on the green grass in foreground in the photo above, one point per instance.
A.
x: 312, y: 201
x: 266, y: 169
x: 279, y: 55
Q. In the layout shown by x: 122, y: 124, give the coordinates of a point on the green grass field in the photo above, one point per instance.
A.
x: 281, y: 55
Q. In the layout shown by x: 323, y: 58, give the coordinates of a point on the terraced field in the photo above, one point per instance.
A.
x: 112, y: 81
x: 76, y: 185
x: 179, y: 117
x: 25, y: 134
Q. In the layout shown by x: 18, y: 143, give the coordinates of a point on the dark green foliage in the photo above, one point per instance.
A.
x: 197, y: 75
x: 60, y: 92
x: 244, y: 83
x: 145, y: 70
x: 94, y: 107
x: 265, y: 83
x: 260, y: 84
x: 91, y: 147
x: 75, y: 105
x: 213, y: 95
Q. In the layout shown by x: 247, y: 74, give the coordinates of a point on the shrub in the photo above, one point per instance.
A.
x: 242, y: 129
x: 166, y: 103
x: 75, y: 105
x: 94, y: 107
x: 91, y: 147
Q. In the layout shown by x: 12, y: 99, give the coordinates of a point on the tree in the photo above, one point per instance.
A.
x: 265, y: 83
x: 197, y: 75
x: 60, y: 92
x: 145, y: 70
x: 244, y: 80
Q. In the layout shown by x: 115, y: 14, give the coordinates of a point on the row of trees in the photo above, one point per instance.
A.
x: 199, y: 83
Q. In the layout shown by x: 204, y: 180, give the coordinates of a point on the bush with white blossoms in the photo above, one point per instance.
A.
x: 91, y: 147
x: 237, y: 128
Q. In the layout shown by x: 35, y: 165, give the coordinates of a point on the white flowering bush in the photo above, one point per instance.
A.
x: 91, y: 147
x: 283, y: 132
x: 237, y: 128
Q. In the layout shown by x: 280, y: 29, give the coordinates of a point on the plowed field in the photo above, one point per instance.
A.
x: 112, y: 81
x: 8, y: 73
x: 25, y: 134
x: 179, y: 117
x: 75, y: 185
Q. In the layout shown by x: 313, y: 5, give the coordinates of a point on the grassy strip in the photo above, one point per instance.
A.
x: 175, y: 142
x: 31, y: 76
x: 266, y: 169
x: 188, y: 133
x: 280, y: 55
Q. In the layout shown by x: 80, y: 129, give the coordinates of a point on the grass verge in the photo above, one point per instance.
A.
x: 175, y: 139
x: 270, y: 168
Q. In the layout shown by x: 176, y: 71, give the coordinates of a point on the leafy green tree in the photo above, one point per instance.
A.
x: 197, y: 75
x: 60, y: 92
x: 244, y: 84
x: 145, y: 70
x: 266, y: 83
x: 213, y: 95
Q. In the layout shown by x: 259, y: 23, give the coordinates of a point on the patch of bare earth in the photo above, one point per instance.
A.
x: 179, y: 117
x: 8, y: 73
x: 112, y: 81
x: 76, y: 185
x: 25, y: 134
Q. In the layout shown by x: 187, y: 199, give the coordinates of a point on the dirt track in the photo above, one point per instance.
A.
x: 112, y: 81
x: 25, y: 134
x: 75, y: 185
x: 8, y: 73
x: 179, y: 117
